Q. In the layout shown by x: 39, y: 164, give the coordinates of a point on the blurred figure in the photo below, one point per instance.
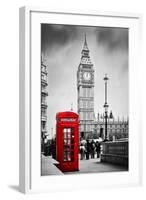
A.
x: 53, y: 148
x: 98, y: 149
x: 82, y: 151
x: 87, y: 149
x: 93, y: 147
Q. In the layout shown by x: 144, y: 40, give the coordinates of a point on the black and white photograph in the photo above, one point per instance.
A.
x: 84, y: 99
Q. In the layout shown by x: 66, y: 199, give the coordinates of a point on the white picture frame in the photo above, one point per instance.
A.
x: 29, y: 144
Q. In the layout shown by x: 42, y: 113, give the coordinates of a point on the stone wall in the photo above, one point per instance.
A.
x: 115, y: 152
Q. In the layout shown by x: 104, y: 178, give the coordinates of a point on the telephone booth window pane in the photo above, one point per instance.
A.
x: 68, y: 156
x: 64, y: 142
x: 65, y: 135
x: 69, y: 130
x: 64, y: 130
x: 65, y: 157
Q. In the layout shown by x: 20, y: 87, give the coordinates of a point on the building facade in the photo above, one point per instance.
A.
x: 44, y: 94
x: 85, y: 90
x: 116, y: 128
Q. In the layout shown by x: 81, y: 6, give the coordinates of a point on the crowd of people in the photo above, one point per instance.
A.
x: 89, y: 149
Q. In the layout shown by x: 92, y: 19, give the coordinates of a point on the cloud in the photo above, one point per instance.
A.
x: 112, y: 39
x: 56, y: 36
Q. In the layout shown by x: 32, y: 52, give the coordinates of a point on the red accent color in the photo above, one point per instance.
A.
x: 67, y: 141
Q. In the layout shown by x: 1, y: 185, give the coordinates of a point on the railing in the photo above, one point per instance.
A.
x: 115, y: 152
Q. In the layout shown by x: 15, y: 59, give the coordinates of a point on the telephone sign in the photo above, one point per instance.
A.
x: 67, y: 141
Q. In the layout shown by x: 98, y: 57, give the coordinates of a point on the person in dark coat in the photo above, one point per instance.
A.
x: 87, y: 150
x: 93, y: 147
x: 98, y: 149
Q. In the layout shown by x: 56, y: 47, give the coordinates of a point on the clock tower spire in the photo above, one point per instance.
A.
x: 85, y: 48
x: 85, y: 88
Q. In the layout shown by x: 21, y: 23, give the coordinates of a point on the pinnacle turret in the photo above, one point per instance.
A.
x: 85, y: 48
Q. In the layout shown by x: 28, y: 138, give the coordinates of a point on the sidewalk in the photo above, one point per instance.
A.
x: 95, y: 166
x: 48, y: 166
x: 85, y: 166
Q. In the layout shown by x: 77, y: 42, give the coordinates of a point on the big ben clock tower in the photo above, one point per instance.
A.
x: 85, y: 87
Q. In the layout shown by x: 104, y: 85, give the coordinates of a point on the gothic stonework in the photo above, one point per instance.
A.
x: 44, y: 94
x: 85, y: 87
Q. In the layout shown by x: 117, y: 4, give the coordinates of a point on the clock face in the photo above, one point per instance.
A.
x: 87, y: 76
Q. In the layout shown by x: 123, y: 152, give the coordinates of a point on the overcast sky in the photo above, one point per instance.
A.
x: 61, y: 51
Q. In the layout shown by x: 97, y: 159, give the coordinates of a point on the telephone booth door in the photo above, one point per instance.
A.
x: 67, y: 141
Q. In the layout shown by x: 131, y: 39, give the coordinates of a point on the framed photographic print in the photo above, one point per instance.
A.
x: 79, y: 100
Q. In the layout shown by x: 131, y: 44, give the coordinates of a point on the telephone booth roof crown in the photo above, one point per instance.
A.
x: 66, y: 114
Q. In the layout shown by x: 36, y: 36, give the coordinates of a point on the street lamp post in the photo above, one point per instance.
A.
x: 106, y: 107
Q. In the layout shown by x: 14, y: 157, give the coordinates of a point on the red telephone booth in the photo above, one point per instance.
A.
x: 67, y: 141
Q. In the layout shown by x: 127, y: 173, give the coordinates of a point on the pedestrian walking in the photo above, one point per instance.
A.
x: 93, y: 147
x: 98, y: 149
x: 82, y: 151
x: 87, y: 149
